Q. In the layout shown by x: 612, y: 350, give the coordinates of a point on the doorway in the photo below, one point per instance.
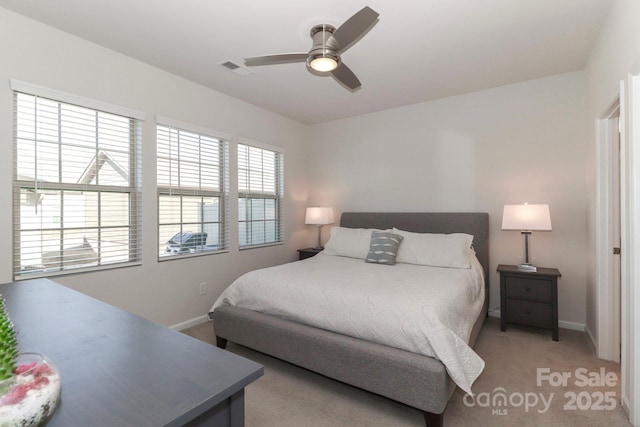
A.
x: 608, y: 235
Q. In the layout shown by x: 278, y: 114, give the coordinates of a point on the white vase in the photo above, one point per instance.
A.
x: 30, y: 397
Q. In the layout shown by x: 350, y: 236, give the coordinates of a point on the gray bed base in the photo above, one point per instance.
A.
x: 415, y: 380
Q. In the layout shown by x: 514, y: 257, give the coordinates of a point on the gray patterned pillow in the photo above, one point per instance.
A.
x: 384, y: 248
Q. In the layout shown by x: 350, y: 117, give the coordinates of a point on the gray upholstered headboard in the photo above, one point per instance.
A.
x: 473, y: 223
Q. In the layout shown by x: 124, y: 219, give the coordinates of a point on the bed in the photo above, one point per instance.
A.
x: 411, y: 378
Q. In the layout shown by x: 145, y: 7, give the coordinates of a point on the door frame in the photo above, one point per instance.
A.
x: 630, y: 198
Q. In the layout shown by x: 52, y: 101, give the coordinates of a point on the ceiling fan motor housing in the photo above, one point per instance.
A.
x: 322, y: 44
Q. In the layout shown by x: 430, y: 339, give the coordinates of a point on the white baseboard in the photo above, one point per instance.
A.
x: 592, y: 340
x: 561, y: 323
x: 572, y: 325
x: 190, y: 323
x: 624, y: 402
x: 494, y: 313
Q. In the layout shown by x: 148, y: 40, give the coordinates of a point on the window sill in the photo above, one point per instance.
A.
x: 194, y: 255
x: 265, y: 245
x: 68, y: 272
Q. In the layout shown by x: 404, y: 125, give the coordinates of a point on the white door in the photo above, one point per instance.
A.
x: 616, y: 242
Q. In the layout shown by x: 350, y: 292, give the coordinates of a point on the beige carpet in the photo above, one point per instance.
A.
x: 288, y: 396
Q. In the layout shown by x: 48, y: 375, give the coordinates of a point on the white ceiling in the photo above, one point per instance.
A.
x: 418, y: 51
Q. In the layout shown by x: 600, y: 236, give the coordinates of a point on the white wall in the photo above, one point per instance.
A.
x: 476, y: 152
x: 165, y: 292
x: 617, y: 48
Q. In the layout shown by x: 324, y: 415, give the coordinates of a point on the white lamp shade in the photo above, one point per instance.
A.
x: 319, y: 216
x: 526, y: 217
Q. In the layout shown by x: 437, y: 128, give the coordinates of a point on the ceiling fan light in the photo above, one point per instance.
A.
x: 323, y: 64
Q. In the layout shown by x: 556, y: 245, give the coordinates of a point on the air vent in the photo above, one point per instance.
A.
x: 236, y: 68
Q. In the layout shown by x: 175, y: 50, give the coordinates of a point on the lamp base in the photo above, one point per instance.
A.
x: 527, y: 267
x: 319, y: 245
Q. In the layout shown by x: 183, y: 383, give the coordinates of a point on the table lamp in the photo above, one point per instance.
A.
x: 526, y: 218
x: 319, y: 216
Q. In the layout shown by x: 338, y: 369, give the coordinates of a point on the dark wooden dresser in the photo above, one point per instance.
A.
x: 529, y: 298
x: 118, y: 369
x: 308, y: 252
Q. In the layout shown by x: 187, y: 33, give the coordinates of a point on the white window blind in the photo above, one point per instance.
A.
x: 76, y: 188
x: 260, y: 189
x: 192, y: 192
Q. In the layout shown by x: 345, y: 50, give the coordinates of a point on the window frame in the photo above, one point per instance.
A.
x: 132, y: 190
x: 222, y: 193
x: 278, y: 194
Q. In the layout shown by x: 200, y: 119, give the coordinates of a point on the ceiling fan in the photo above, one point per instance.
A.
x: 328, y: 44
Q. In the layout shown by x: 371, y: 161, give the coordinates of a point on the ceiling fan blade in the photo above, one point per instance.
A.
x: 283, y: 58
x: 345, y: 76
x: 354, y: 28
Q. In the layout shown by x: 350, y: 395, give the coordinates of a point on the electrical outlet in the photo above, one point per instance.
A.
x: 203, y: 288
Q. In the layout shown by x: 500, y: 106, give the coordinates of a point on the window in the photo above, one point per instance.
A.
x: 192, y: 192
x: 76, y: 187
x: 260, y: 188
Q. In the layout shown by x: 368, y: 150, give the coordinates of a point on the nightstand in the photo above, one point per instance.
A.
x: 308, y: 252
x: 529, y: 297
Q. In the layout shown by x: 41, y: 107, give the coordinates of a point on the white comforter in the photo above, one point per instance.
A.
x: 425, y: 310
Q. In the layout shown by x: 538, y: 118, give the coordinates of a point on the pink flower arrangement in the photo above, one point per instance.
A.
x: 38, y: 376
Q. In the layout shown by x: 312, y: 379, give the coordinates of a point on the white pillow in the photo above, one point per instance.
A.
x: 437, y: 250
x: 349, y: 242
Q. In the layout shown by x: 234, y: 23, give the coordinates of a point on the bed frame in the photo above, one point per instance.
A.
x: 415, y: 380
